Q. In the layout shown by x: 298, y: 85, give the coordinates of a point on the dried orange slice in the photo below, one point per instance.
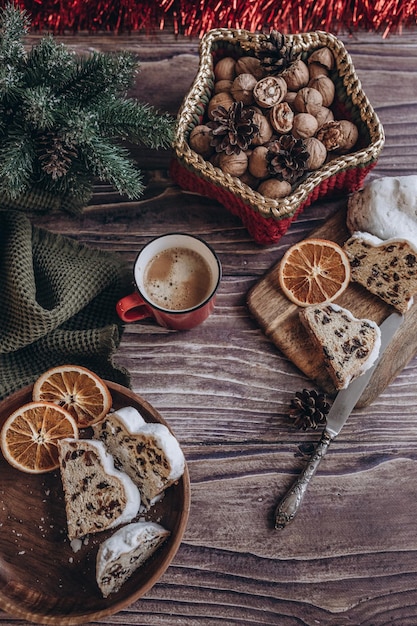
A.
x: 314, y: 271
x: 78, y: 390
x: 30, y: 434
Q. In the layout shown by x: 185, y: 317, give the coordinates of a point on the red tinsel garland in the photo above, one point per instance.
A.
x: 195, y: 18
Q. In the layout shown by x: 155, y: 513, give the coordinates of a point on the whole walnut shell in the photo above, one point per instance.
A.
x: 224, y: 99
x: 233, y: 164
x: 258, y: 163
x: 324, y: 115
x: 222, y: 85
x: 308, y: 100
x: 200, y: 138
x: 274, y: 188
x: 269, y: 91
x: 265, y: 131
x: 322, y: 56
x: 296, y: 75
x: 225, y: 69
x: 305, y: 125
x: 317, y: 152
x: 314, y: 69
x: 250, y: 65
x: 242, y: 88
x: 339, y: 135
x: 325, y: 86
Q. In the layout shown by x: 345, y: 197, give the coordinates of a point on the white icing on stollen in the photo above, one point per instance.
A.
x: 125, y: 540
x: 131, y: 490
x: 386, y: 207
x: 126, y: 550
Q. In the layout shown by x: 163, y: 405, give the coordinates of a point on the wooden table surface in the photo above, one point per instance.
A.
x: 350, y: 557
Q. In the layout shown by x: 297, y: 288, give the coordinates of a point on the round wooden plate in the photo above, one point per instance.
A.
x: 42, y: 579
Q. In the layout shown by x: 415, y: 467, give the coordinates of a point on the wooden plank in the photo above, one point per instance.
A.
x: 279, y: 319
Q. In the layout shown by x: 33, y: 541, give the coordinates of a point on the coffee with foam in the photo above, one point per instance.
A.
x: 178, y: 279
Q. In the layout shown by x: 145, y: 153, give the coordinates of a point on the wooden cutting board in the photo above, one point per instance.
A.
x: 279, y: 320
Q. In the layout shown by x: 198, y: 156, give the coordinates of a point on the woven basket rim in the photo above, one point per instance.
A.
x: 193, y: 106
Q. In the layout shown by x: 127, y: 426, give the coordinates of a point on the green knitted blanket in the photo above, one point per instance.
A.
x: 57, y: 304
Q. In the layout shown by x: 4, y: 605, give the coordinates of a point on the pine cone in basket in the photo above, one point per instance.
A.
x: 309, y: 409
x: 287, y: 158
x: 232, y: 129
x: 275, y: 54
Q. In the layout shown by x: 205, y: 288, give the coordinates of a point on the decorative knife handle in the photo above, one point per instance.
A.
x: 289, y: 505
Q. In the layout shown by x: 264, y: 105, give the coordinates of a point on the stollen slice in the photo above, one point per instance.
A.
x: 125, y: 551
x: 97, y: 495
x: 387, y: 268
x: 148, y: 452
x: 349, y: 345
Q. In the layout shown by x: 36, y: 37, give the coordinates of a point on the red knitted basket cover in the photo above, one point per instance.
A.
x: 267, y: 230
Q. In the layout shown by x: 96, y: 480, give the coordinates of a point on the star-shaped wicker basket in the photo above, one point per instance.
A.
x: 267, y: 219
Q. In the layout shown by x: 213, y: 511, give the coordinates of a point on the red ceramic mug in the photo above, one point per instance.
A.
x: 176, y: 278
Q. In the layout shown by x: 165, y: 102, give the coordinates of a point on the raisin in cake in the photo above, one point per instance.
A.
x: 97, y: 496
x: 125, y: 551
x: 385, y: 207
x: 387, y: 269
x: 149, y: 453
x: 349, y: 345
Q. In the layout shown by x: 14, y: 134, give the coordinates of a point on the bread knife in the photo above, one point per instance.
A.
x: 342, y: 406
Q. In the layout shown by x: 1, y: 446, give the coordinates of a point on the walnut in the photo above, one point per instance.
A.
x: 308, y: 100
x: 258, y: 163
x: 222, y: 85
x: 324, y: 115
x: 339, y: 135
x: 265, y: 129
x: 249, y: 180
x: 199, y: 141
x: 317, y: 152
x: 305, y: 125
x: 250, y: 65
x: 269, y: 91
x: 242, y: 88
x: 281, y: 117
x: 322, y: 56
x: 225, y: 69
x: 296, y: 75
x: 233, y: 164
x: 274, y: 188
x: 224, y: 99
x: 325, y: 86
x: 314, y: 69
x: 290, y: 96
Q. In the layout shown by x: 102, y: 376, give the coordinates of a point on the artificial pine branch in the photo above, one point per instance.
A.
x: 63, y: 116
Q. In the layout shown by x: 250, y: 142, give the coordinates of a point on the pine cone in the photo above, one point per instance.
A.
x: 287, y: 158
x: 275, y: 54
x: 232, y: 129
x: 56, y: 155
x: 309, y: 409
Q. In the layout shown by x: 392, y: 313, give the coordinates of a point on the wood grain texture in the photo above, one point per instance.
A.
x: 349, y: 559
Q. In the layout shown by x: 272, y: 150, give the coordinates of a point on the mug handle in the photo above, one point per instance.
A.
x: 133, y: 308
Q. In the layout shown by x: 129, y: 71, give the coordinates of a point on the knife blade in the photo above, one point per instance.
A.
x: 342, y: 407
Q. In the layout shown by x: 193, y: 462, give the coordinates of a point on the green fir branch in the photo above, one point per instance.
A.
x: 63, y: 117
x: 129, y: 119
x: 16, y: 163
x: 110, y: 163
x: 99, y: 76
x: 49, y: 63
